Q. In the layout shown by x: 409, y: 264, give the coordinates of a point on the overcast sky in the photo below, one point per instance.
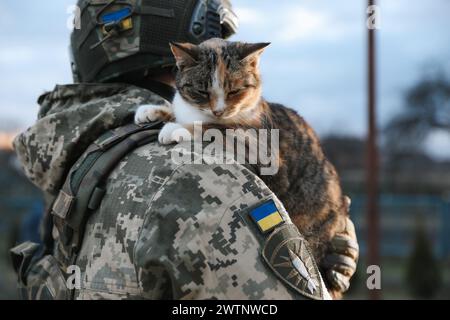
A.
x: 315, y: 64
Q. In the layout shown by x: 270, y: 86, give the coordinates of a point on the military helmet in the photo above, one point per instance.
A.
x: 117, y: 38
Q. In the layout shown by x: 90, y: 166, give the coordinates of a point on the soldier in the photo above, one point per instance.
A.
x: 124, y: 221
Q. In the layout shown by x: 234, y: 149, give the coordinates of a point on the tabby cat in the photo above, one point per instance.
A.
x: 218, y: 82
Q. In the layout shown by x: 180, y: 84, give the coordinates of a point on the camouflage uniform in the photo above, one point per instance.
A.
x: 163, y: 230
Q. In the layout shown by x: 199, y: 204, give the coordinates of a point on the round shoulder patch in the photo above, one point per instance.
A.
x: 287, y: 254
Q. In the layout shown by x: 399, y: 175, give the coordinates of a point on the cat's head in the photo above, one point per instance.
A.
x: 219, y: 77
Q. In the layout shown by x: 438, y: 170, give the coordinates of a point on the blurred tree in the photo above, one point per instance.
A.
x: 424, y: 276
x: 345, y: 152
x: 427, y: 108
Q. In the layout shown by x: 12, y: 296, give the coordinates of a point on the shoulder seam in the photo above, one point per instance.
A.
x: 146, y: 217
x: 154, y: 194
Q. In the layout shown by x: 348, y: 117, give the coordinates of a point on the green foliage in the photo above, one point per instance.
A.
x: 424, y: 277
x: 426, y: 109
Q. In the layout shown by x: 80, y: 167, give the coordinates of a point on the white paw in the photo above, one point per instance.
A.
x: 147, y: 113
x: 173, y: 133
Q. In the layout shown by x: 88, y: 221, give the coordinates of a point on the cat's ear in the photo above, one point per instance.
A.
x: 186, y: 54
x: 251, y: 52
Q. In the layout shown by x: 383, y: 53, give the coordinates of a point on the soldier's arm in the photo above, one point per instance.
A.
x: 203, y: 238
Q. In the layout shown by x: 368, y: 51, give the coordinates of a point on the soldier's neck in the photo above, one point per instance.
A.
x: 163, y: 85
x: 167, y: 79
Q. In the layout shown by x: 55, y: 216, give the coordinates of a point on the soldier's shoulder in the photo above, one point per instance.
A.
x: 217, y: 217
x: 183, y: 165
x: 61, y: 91
x: 174, y: 187
x: 185, y: 185
x: 74, y: 95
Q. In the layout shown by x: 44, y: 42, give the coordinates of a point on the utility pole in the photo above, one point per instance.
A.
x: 372, y: 158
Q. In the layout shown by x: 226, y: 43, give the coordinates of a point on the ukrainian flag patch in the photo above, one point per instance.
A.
x: 267, y: 216
x: 116, y: 16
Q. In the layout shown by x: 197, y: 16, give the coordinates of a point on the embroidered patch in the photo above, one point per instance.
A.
x: 121, y: 17
x: 287, y: 254
x: 266, y: 216
x: 116, y: 16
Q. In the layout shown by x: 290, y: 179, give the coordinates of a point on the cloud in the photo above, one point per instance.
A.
x: 27, y: 71
x: 7, y: 18
x: 300, y: 23
x: 286, y: 23
x: 250, y: 16
x: 16, y: 55
x: 438, y: 144
x: 289, y: 23
x: 40, y: 52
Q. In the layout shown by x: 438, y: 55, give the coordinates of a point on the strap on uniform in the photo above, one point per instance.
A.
x: 83, y: 189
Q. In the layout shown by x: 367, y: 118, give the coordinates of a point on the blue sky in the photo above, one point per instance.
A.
x: 315, y: 64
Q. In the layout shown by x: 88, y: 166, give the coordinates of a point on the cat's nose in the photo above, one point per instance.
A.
x: 218, y: 113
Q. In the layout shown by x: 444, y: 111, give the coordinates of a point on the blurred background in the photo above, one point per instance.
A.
x: 316, y: 64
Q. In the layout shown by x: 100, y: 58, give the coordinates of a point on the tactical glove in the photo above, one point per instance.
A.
x: 341, y: 260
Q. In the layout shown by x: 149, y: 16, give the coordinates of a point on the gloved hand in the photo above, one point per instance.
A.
x: 341, y: 260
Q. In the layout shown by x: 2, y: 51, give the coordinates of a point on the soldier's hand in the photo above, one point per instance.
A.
x: 341, y: 260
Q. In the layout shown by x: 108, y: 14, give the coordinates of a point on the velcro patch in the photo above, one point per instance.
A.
x: 288, y: 255
x: 267, y: 216
x: 116, y: 16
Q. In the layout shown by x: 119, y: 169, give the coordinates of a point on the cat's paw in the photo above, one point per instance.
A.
x: 149, y: 113
x: 173, y: 133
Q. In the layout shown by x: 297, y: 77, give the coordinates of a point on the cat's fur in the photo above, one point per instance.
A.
x: 219, y: 84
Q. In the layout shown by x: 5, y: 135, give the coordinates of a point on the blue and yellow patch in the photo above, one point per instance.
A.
x: 267, y: 216
x: 121, y: 17
x: 116, y: 16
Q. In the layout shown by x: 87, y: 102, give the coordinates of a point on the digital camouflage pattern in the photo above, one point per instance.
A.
x: 116, y: 47
x: 46, y: 280
x: 163, y: 230
x: 70, y: 119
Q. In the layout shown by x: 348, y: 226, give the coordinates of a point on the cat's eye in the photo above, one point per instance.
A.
x: 234, y: 92
x: 203, y: 93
